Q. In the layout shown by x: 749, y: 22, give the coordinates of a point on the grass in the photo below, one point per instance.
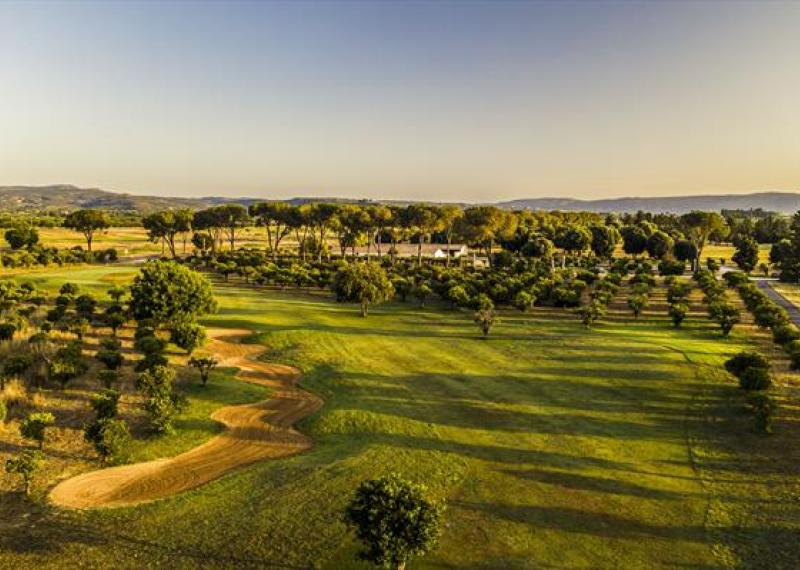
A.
x: 195, y: 426
x: 554, y: 447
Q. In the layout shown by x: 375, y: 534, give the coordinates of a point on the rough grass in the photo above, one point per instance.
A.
x: 554, y: 447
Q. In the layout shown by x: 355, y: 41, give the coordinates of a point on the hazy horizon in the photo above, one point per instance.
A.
x: 472, y: 102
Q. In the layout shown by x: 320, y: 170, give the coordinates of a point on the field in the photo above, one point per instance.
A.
x: 554, y: 447
x: 133, y: 242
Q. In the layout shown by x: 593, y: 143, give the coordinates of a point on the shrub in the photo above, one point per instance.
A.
x: 150, y: 344
x: 3, y: 410
x: 785, y: 333
x: 113, y: 359
x: 763, y: 408
x: 677, y: 312
x: 188, y: 335
x: 755, y: 378
x: 725, y: 314
x: 110, y: 438
x: 105, y: 404
x: 34, y: 426
x: 7, y: 331
x: 737, y: 364
x: 25, y: 464
x: 671, y: 267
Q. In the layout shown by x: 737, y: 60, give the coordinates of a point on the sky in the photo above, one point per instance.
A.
x: 444, y: 100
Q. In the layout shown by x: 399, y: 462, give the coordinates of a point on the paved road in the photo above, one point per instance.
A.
x: 766, y: 286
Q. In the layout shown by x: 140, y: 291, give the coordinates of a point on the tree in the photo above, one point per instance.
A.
x: 425, y: 220
x: 34, y: 426
x: 22, y: 235
x: 87, y: 222
x: 659, y: 244
x: 204, y: 365
x: 449, y: 217
x: 14, y: 365
x: 685, y: 250
x: 160, y: 403
x: 699, y: 226
x: 230, y: 218
x: 483, y: 225
x: 725, y: 314
x: 394, y: 520
x: 573, y: 238
x: 740, y: 362
x: 604, y: 240
x: 485, y: 319
x: 276, y: 218
x: 634, y: 240
x: 188, y: 335
x: 363, y: 283
x: 168, y: 292
x: 637, y: 303
x: 746, y: 254
x: 591, y: 312
x: 677, y: 312
x: 110, y: 438
x: 25, y: 464
x: 166, y: 225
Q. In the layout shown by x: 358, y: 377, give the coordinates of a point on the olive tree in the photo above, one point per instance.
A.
x: 394, y: 520
x: 363, y: 283
x: 204, y: 365
x: 167, y: 292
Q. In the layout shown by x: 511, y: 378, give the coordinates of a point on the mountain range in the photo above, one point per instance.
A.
x: 65, y: 197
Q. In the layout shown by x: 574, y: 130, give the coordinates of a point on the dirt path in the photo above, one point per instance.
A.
x: 255, y: 432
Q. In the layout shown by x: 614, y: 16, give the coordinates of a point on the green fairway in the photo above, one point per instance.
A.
x: 554, y: 447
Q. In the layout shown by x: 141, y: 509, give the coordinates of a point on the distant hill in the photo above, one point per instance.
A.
x: 65, y: 197
x: 785, y: 202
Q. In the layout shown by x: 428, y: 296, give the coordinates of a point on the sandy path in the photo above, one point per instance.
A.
x: 255, y: 432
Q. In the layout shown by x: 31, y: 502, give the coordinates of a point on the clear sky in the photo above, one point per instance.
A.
x: 417, y: 100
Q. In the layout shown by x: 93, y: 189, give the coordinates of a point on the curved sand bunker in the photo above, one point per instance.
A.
x: 255, y: 432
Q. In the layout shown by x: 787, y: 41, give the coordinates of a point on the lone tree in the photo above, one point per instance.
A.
x: 87, y: 222
x: 485, y: 319
x: 363, y: 283
x: 25, y: 465
x: 167, y: 292
x: 204, y: 365
x: 394, y: 521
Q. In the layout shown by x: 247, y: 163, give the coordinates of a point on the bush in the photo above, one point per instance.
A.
x: 188, y: 335
x: 34, y: 426
x: 744, y: 360
x: 755, y: 378
x: 671, y: 267
x: 110, y: 438
x: 113, y: 359
x: 785, y: 333
x: 677, y: 312
x: 150, y: 345
x: 105, y: 404
x: 763, y: 408
x: 25, y: 465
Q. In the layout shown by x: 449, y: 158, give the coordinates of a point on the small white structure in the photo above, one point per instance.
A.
x: 410, y: 250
